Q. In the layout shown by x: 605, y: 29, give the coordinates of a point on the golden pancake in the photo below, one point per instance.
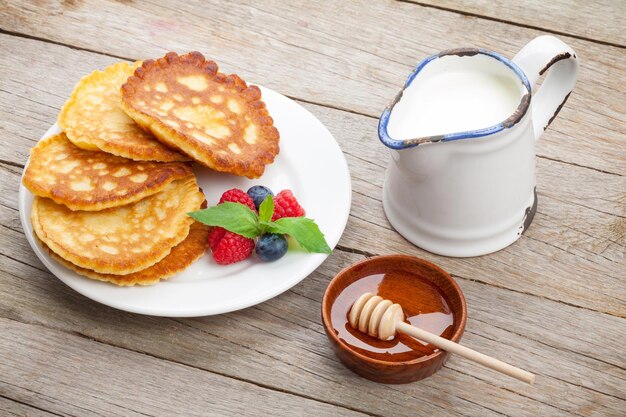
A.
x: 93, y: 119
x: 119, y: 240
x: 88, y: 180
x: 216, y: 119
x: 181, y: 256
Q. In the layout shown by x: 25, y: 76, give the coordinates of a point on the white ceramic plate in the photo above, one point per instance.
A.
x: 310, y: 163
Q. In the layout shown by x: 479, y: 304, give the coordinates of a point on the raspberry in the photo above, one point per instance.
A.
x: 231, y: 247
x: 286, y: 205
x: 215, y: 235
x: 236, y: 195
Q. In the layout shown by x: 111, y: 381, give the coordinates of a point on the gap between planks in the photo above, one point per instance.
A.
x: 11, y: 163
x: 508, y: 22
x: 76, y: 48
x: 29, y: 406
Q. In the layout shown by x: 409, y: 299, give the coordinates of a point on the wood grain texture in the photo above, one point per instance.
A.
x: 10, y: 407
x: 271, y: 343
x: 351, y: 55
x: 281, y: 344
x: 45, y: 373
x: 600, y: 20
x: 553, y: 303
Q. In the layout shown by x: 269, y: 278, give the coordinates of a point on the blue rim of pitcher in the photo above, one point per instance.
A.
x: 517, y: 115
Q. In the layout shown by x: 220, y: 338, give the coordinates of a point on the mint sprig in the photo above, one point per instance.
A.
x: 266, y: 209
x: 303, y: 230
x: 234, y: 217
x: 239, y: 219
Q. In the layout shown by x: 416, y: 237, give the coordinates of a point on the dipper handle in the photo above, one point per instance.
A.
x: 465, y: 352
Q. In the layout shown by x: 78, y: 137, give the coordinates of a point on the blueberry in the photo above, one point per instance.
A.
x: 271, y: 247
x: 258, y: 193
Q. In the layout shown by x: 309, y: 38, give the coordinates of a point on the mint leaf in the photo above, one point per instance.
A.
x: 266, y: 209
x: 303, y: 230
x: 233, y: 217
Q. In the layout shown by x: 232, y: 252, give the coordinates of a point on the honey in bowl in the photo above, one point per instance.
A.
x: 424, y: 306
x: 429, y: 297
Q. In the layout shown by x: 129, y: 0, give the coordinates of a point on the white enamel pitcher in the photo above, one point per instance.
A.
x: 462, y: 132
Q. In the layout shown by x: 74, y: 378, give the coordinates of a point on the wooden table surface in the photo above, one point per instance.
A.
x: 553, y: 303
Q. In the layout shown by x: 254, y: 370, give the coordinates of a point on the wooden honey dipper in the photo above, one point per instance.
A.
x: 381, y: 318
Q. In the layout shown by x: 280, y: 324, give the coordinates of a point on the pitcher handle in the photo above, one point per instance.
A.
x: 547, y: 53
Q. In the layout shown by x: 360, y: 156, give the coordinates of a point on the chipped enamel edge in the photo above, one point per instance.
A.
x: 517, y: 115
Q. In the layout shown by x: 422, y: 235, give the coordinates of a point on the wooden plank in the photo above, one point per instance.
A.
x: 39, y: 366
x: 580, y: 225
x: 10, y: 407
x: 343, y: 55
x: 598, y: 20
x: 281, y: 344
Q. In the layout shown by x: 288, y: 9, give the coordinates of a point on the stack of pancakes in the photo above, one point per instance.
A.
x: 113, y: 189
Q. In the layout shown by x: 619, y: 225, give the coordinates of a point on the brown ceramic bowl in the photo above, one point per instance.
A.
x: 396, y: 371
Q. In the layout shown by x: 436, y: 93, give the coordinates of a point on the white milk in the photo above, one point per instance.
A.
x: 459, y: 98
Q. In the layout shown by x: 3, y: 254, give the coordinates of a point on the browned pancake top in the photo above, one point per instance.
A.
x: 94, y: 180
x: 216, y: 119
